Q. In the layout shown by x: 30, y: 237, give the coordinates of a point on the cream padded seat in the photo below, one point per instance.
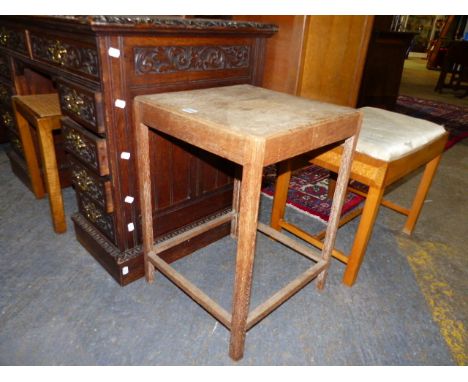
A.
x: 388, y: 136
x: 390, y: 146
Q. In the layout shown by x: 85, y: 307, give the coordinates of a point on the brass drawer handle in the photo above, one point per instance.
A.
x: 4, y: 37
x: 58, y: 53
x: 82, y: 180
x: 92, y: 213
x: 74, y: 102
x: 75, y: 140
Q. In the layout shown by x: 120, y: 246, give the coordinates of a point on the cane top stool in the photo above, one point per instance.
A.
x: 42, y: 112
x: 390, y: 146
x: 252, y: 127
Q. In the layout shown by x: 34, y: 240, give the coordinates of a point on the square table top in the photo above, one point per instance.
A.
x: 225, y: 120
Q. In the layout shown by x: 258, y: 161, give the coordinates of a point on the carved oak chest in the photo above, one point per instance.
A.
x: 98, y: 64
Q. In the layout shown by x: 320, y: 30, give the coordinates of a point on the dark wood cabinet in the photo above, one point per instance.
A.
x: 98, y: 64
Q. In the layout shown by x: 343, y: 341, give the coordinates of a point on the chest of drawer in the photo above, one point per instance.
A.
x: 96, y: 215
x: 78, y: 57
x: 85, y: 146
x: 97, y: 188
x: 82, y: 105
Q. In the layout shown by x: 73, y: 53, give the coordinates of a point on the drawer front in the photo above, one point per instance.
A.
x: 82, y: 105
x: 12, y: 38
x: 5, y: 70
x: 97, y: 188
x: 77, y: 57
x: 85, y: 146
x: 96, y: 215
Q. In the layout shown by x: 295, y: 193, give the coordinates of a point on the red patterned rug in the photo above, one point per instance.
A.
x: 308, y: 188
x: 453, y: 117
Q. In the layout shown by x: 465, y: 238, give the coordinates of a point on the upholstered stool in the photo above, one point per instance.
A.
x: 42, y: 112
x: 390, y: 146
x: 252, y: 127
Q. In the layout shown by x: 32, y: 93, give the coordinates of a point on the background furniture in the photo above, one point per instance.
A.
x: 98, y: 64
x: 252, y: 127
x: 318, y: 57
x: 456, y: 67
x: 389, y: 147
x: 43, y: 113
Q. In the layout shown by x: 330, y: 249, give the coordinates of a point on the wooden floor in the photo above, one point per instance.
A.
x: 417, y: 81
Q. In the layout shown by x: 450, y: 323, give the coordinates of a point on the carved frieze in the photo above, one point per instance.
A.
x: 170, y: 59
x: 172, y: 22
x: 80, y: 59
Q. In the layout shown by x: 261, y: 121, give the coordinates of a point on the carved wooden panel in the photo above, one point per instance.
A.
x: 12, y: 39
x: 85, y: 146
x: 70, y: 55
x: 82, y: 105
x: 170, y: 59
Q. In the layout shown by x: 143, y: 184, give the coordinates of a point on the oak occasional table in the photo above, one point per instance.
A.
x: 252, y: 127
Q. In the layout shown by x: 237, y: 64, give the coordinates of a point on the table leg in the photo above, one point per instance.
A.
x: 30, y: 154
x: 144, y: 180
x: 52, y: 180
x: 281, y: 194
x: 248, y: 217
x: 337, y: 205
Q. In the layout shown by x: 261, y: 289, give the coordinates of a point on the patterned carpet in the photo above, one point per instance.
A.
x: 308, y: 187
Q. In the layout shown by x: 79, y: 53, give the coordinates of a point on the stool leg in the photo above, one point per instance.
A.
x: 281, y: 194
x: 331, y: 185
x: 337, y: 205
x: 30, y: 154
x: 52, y: 181
x: 363, y: 234
x: 248, y: 217
x: 421, y: 194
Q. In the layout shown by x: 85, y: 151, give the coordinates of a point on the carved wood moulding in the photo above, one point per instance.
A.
x: 55, y: 51
x: 171, y: 59
x: 172, y: 22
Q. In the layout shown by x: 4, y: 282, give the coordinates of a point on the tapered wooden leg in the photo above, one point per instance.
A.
x: 248, y: 217
x: 30, y: 154
x: 144, y: 182
x: 363, y: 234
x: 421, y: 194
x: 51, y: 175
x: 281, y: 194
x: 337, y: 205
